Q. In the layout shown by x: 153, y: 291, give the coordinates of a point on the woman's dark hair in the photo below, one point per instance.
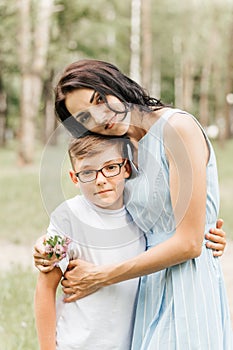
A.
x: 106, y: 79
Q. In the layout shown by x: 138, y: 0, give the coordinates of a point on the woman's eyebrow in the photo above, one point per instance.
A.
x: 92, y: 97
x: 81, y: 114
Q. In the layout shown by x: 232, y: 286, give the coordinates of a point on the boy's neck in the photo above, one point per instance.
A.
x: 98, y: 208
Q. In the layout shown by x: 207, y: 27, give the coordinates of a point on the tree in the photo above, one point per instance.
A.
x: 33, y: 54
x: 135, y: 47
x: 3, y: 110
x: 229, y: 83
x: 146, y: 45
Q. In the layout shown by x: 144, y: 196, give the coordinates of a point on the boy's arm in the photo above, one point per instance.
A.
x: 45, y: 308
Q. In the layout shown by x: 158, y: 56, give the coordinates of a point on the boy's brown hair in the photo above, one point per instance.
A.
x: 91, y: 145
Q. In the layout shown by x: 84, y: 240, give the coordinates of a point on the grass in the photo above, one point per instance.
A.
x: 17, y: 325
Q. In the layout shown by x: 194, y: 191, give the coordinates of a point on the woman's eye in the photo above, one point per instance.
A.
x: 84, y: 118
x: 99, y: 99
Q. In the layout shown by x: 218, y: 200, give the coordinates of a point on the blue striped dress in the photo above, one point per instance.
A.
x: 183, y: 307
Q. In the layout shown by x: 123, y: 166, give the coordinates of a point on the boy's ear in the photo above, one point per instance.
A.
x: 127, y: 170
x: 73, y: 177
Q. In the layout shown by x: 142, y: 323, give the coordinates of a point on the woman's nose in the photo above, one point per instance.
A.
x: 98, y: 113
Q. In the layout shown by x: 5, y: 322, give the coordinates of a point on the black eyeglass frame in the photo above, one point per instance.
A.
x: 120, y: 165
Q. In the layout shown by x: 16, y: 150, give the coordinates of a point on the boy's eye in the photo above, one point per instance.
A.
x: 87, y: 172
x: 111, y: 167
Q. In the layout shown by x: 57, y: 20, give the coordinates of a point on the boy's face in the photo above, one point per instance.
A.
x: 103, y: 192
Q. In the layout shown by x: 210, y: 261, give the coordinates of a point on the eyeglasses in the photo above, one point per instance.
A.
x: 110, y: 170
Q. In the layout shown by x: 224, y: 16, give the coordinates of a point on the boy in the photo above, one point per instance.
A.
x: 102, y: 232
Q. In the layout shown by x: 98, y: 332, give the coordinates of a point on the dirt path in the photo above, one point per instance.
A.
x: 12, y: 254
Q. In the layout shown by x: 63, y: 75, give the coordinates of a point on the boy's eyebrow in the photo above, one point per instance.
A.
x: 102, y: 165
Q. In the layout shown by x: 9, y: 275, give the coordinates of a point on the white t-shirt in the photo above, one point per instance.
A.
x: 103, y: 320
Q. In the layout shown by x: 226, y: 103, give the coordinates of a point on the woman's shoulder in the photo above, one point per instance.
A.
x: 183, y: 123
x: 184, y: 130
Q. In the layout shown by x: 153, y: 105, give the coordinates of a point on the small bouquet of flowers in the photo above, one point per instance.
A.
x: 56, y: 245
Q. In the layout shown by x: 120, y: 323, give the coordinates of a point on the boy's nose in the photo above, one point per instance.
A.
x: 100, y: 178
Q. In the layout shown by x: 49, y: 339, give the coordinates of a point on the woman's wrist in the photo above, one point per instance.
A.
x: 111, y: 274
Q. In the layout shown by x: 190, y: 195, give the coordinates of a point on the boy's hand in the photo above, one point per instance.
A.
x: 217, y: 239
x: 41, y: 260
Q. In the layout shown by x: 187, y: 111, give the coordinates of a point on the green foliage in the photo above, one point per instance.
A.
x: 9, y: 65
x: 90, y: 30
x: 101, y: 29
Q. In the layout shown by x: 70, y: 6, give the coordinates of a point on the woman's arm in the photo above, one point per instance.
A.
x: 216, y: 237
x: 80, y: 270
x: 45, y: 310
x: 187, y: 153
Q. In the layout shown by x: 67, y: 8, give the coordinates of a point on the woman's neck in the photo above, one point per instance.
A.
x: 141, y: 123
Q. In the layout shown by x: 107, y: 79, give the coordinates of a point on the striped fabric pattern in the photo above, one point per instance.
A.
x: 183, y: 307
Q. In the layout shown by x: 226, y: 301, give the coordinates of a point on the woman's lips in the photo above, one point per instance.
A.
x: 111, y: 122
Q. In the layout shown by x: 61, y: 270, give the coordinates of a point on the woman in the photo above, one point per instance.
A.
x: 182, y: 302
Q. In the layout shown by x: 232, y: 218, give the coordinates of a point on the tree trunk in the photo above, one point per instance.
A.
x: 3, y: 114
x: 33, y: 52
x: 135, y: 40
x: 178, y: 68
x: 50, y: 118
x: 188, y: 83
x: 205, y: 78
x: 146, y: 45
x: 204, y: 92
x: 229, y: 88
x: 156, y: 79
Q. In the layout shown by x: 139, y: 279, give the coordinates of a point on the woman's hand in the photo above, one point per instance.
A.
x: 218, y: 239
x: 41, y: 260
x: 81, y: 279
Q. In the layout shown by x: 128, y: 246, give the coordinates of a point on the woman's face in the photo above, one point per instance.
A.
x: 88, y: 107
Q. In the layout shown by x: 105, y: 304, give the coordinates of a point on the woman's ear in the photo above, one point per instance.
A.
x: 73, y: 177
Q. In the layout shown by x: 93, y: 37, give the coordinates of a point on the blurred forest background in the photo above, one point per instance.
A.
x: 180, y: 51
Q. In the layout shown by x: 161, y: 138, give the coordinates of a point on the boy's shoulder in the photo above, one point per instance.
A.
x: 69, y: 206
